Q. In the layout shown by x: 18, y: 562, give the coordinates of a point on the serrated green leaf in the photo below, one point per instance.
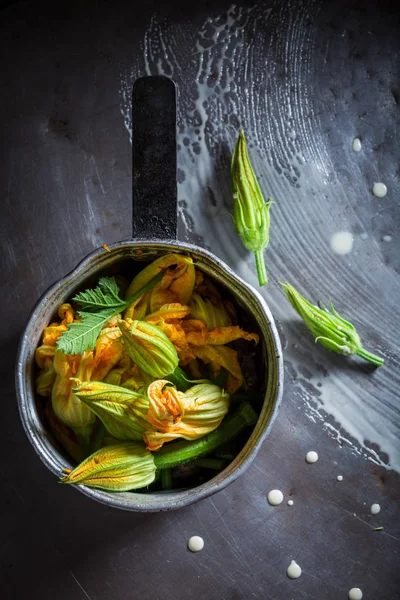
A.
x: 110, y: 287
x: 105, y: 295
x: 82, y: 336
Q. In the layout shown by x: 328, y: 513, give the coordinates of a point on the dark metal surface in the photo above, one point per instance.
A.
x: 155, y: 211
x: 65, y: 189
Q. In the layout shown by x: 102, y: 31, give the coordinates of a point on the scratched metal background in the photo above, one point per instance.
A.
x: 65, y: 181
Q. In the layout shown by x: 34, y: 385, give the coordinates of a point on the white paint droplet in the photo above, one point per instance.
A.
x: 311, y: 457
x: 379, y: 190
x: 342, y: 242
x: 355, y: 594
x: 375, y: 509
x: 356, y: 145
x: 275, y: 497
x: 196, y: 543
x: 387, y: 238
x: 339, y: 478
x: 293, y: 570
x: 290, y: 502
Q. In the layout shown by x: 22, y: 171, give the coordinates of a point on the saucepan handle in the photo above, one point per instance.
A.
x: 154, y: 189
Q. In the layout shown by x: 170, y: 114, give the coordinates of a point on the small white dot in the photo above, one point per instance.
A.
x: 275, y: 497
x: 342, y: 242
x: 379, y: 190
x: 375, y: 509
x: 290, y: 502
x: 293, y: 570
x: 355, y: 594
x: 196, y: 543
x: 339, y: 478
x: 311, y: 457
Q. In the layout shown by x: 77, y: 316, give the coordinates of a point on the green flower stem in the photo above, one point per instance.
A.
x: 149, y: 286
x: 166, y: 479
x: 179, y: 379
x: 260, y: 265
x: 372, y: 358
x: 210, y: 463
x: 172, y: 455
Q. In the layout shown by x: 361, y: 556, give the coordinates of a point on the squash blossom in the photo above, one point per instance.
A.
x: 211, y: 315
x: 149, y: 348
x: 329, y: 328
x: 122, y: 411
x: 117, y: 468
x: 44, y: 356
x: 67, y: 407
x: 250, y: 212
x: 192, y: 339
x: 176, y: 285
x: 189, y: 415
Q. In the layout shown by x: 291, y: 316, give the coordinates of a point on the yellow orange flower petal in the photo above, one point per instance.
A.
x: 107, y: 353
x: 52, y: 333
x: 67, y: 407
x: 43, y: 354
x: 165, y: 406
x: 224, y: 335
x: 183, y: 286
x: 66, y: 313
x: 189, y: 415
x: 169, y: 313
x: 164, y: 263
x: 222, y: 356
x: 159, y: 297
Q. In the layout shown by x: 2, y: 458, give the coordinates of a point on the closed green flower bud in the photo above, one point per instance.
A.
x: 122, y: 411
x: 117, y: 468
x: 250, y: 212
x: 329, y: 328
x: 149, y: 348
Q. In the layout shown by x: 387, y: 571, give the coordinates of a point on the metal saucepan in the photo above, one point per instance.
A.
x: 154, y: 233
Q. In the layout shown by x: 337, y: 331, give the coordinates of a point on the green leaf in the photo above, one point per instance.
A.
x: 105, y: 295
x: 82, y: 336
x: 100, y: 305
x: 110, y: 287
